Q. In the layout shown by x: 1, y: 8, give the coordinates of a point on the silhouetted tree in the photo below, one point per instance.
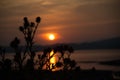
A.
x: 29, y: 65
x: 59, y: 64
x: 5, y: 64
x: 44, y: 59
x: 64, y: 59
x: 18, y: 57
x: 29, y: 29
x: 2, y: 55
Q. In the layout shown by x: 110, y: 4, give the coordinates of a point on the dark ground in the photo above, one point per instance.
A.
x: 58, y: 75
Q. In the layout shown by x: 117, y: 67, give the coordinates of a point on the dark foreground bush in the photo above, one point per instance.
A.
x: 56, y: 75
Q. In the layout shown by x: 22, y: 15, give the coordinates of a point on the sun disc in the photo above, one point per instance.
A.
x: 51, y: 37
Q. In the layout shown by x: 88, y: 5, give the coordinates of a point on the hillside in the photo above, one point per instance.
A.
x: 113, y: 43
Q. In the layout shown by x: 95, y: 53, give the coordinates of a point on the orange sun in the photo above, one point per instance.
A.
x: 51, y: 37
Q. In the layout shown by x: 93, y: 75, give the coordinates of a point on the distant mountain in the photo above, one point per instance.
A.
x: 36, y: 48
x: 113, y: 43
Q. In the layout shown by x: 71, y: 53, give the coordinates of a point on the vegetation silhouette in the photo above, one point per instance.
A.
x: 28, y: 30
x: 5, y: 64
x: 22, y: 67
x: 65, y: 52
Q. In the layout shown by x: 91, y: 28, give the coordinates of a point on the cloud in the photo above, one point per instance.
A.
x: 84, y: 18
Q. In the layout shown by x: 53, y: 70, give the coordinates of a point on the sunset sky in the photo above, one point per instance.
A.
x: 71, y: 21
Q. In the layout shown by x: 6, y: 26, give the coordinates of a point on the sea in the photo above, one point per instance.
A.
x: 87, y: 59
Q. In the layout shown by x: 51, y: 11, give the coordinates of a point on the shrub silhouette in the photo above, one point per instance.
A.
x: 2, y: 54
x: 44, y: 59
x: 63, y: 59
x: 28, y: 30
x: 18, y: 57
x: 5, y: 64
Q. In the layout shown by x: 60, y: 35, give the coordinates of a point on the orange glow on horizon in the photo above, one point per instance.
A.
x: 49, y: 36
